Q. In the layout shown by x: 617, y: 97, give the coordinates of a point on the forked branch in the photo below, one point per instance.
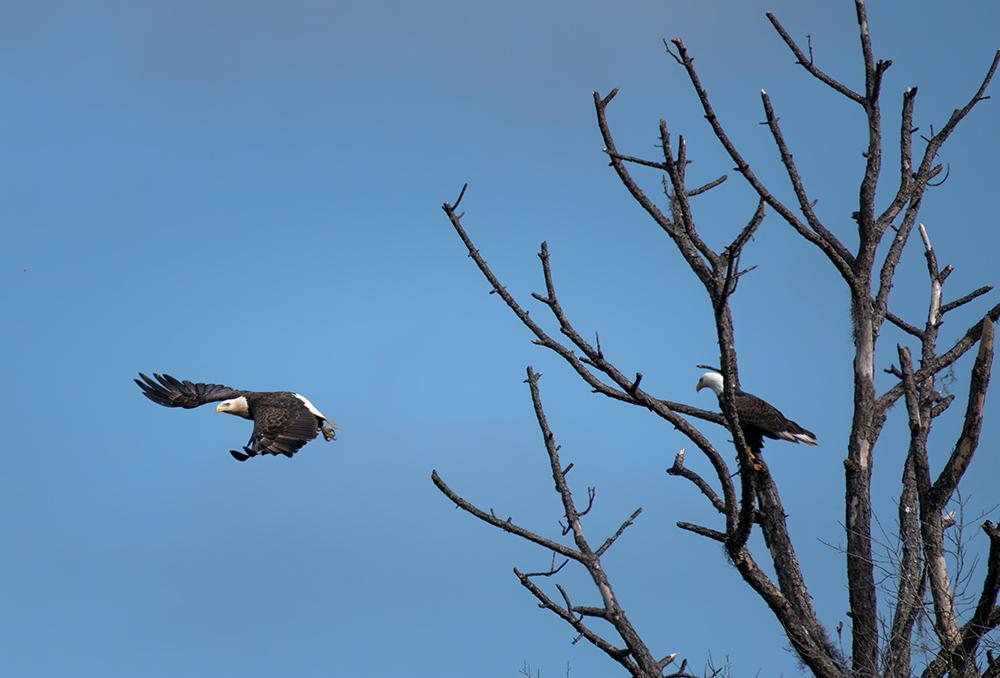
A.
x: 635, y: 656
x: 869, y: 276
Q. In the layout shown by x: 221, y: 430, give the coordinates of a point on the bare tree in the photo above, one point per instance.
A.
x: 882, y: 635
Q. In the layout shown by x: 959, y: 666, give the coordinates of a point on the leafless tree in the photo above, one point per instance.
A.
x: 882, y: 635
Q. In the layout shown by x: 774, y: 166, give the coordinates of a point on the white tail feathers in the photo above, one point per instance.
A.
x: 797, y: 437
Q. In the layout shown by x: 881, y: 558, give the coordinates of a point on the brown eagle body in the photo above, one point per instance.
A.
x: 283, y: 421
x: 759, y: 419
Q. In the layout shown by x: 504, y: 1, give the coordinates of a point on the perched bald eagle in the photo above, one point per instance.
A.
x: 758, y: 418
x: 282, y: 421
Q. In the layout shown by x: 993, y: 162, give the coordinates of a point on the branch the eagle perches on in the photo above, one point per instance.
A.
x: 879, y: 647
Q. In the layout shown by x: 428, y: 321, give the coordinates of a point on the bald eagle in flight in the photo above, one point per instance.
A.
x: 758, y: 418
x: 282, y: 421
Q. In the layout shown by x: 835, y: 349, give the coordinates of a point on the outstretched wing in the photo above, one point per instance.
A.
x: 170, y: 392
x: 281, y: 426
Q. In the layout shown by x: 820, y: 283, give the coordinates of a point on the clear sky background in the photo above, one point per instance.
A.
x: 249, y: 193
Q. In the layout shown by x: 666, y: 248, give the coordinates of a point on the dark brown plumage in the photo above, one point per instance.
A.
x: 283, y: 421
x: 759, y: 419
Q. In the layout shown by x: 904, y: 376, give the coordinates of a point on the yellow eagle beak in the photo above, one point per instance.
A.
x: 218, y: 408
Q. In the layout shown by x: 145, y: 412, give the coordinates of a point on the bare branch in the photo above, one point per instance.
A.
x: 635, y: 394
x: 867, y: 227
x: 553, y: 569
x: 818, y: 651
x: 837, y: 254
x: 967, y: 443
x: 737, y: 537
x: 805, y: 205
x: 871, y: 68
x: 569, y: 506
x: 667, y: 660
x: 808, y: 64
x: 680, y: 208
x: 636, y: 657
x: 736, y: 246
x: 585, y: 611
x: 676, y: 57
x: 637, y: 160
x: 906, y: 182
x: 611, y: 540
x: 903, y: 325
x: 958, y: 349
x: 691, y: 192
x: 505, y: 525
x: 961, y: 301
x: 958, y: 115
x: 696, y: 412
x: 543, y: 338
x: 679, y: 469
x: 931, y: 524
x: 891, y: 261
x: 956, y: 659
x: 461, y: 194
x: 591, y: 494
x: 912, y: 190
x: 687, y: 249
x: 703, y: 531
x: 618, y: 654
x: 634, y: 386
x: 941, y: 405
x: 593, y: 356
x: 987, y: 614
x: 947, y: 173
x: 912, y: 501
x: 910, y: 589
x: 813, y: 651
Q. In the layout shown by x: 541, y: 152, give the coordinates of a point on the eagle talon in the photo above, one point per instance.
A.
x: 328, y: 433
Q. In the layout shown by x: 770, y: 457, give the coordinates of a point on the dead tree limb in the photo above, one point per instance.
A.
x: 634, y: 656
x: 868, y: 271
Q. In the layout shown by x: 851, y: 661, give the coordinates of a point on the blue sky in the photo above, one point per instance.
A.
x: 249, y: 193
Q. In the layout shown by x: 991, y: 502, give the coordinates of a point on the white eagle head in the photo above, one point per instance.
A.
x: 237, y: 406
x: 712, y: 380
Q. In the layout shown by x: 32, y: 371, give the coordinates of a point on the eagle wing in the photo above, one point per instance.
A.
x: 281, y: 426
x: 170, y: 392
x: 765, y: 418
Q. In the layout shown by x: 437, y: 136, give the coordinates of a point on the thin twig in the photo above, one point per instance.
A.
x: 613, y: 538
x: 808, y: 64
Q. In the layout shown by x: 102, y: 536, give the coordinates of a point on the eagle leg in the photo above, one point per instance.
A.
x: 329, y: 432
x: 757, y: 466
